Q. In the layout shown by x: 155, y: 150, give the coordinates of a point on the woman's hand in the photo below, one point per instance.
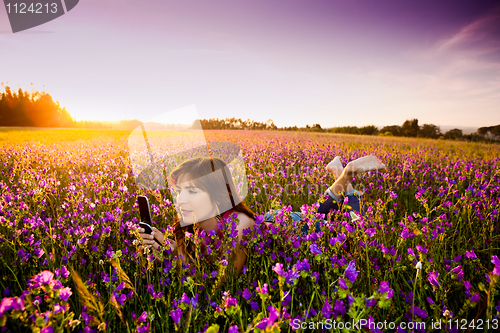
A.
x: 149, y: 239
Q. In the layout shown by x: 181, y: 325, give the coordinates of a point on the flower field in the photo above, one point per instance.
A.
x: 426, y: 253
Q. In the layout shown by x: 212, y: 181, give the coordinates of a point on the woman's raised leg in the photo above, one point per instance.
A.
x: 335, y: 167
x: 360, y: 165
x: 342, y: 186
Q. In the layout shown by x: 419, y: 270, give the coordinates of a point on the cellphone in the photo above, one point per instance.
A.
x: 144, y: 210
x: 145, y: 213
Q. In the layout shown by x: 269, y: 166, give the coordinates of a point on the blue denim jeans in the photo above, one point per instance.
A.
x: 355, y: 203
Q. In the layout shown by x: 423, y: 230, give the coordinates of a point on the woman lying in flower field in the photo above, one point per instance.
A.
x: 425, y: 251
x: 196, y: 200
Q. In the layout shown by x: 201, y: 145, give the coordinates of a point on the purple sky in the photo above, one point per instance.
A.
x: 298, y: 62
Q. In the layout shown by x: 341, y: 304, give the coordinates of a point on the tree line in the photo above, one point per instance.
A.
x: 38, y: 109
x: 410, y: 128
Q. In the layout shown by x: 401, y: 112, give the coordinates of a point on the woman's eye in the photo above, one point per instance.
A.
x: 192, y: 192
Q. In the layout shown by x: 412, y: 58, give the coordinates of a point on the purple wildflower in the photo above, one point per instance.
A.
x: 370, y: 232
x: 263, y: 289
x: 339, y: 308
x: 422, y: 249
x: 384, y: 288
x: 194, y: 301
x: 57, y: 285
x: 64, y: 272
x: 350, y: 272
x: 176, y: 315
x: 458, y: 270
x: 44, y: 277
x: 58, y: 308
x: 143, y: 328
x: 246, y: 294
x: 419, y: 312
x: 287, y: 299
x: 370, y: 302
x: 11, y: 303
x: 405, y: 233
x: 121, y: 298
x: 254, y: 305
x: 303, y: 265
x: 269, y: 321
x: 342, y: 284
x: 467, y: 285
x: 38, y: 252
x: 433, y: 279
x: 230, y: 302
x: 291, y: 276
x: 185, y: 299
x: 315, y: 249
x: 143, y: 317
x: 65, y: 293
x: 350, y: 299
x: 278, y: 268
x: 470, y: 255
x: 327, y: 309
x: 234, y: 329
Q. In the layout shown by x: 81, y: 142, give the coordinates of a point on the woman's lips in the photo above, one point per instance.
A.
x: 186, y: 212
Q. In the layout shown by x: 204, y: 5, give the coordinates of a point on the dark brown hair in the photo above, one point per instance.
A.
x: 220, y: 186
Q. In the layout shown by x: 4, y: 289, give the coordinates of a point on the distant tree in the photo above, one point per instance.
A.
x: 270, y: 125
x: 483, y: 130
x: 32, y: 109
x: 369, y: 130
x: 410, y: 128
x: 453, y: 134
x: 345, y: 130
x: 490, y: 133
x: 395, y: 130
x: 429, y: 131
x: 475, y: 137
x: 317, y: 128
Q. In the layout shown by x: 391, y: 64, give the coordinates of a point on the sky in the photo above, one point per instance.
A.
x: 298, y: 62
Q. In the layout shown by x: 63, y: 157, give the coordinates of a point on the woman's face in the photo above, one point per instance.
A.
x: 193, y: 204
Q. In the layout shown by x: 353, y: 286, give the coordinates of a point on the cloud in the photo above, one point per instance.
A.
x: 463, y: 65
x: 469, y: 60
x: 479, y: 38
